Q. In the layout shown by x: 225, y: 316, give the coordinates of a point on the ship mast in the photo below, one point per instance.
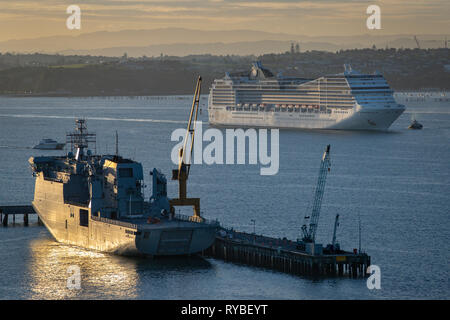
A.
x: 80, y: 138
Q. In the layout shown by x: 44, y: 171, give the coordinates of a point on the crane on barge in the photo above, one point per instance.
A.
x: 184, y: 160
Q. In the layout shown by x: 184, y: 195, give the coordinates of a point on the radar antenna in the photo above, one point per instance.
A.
x: 80, y: 138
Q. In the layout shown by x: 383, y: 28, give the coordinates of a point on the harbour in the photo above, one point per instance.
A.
x: 224, y: 158
x: 375, y: 183
x: 86, y: 200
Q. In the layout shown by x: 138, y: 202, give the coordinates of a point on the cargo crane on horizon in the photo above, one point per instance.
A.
x: 417, y: 42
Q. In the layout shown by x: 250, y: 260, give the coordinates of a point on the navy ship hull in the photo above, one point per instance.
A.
x: 130, y: 241
x: 119, y: 237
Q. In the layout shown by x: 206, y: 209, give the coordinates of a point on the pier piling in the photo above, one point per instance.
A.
x: 285, y: 257
x: 6, y: 211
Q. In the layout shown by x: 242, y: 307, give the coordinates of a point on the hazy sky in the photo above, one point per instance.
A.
x: 35, y: 18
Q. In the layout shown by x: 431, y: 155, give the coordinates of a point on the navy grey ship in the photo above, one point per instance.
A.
x: 96, y: 202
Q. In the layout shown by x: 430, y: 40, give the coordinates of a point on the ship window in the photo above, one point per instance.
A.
x: 84, y: 220
x: 125, y: 172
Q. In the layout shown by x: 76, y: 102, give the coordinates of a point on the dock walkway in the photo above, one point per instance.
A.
x: 6, y: 211
x: 283, y: 255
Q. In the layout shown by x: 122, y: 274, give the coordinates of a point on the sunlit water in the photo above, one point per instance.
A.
x: 398, y: 182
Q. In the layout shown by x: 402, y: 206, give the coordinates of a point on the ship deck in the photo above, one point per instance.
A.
x: 179, y: 221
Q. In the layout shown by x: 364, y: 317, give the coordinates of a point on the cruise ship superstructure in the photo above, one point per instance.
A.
x: 348, y: 101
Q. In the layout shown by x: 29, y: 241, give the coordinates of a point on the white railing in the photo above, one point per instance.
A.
x: 196, y: 219
x: 115, y: 222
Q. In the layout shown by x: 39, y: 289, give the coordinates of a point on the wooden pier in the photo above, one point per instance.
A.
x: 282, y: 255
x: 6, y: 211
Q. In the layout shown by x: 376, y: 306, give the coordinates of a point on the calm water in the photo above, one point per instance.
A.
x: 398, y: 182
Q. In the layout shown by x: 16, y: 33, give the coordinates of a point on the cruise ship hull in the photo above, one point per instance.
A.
x: 370, y: 119
x: 106, y: 235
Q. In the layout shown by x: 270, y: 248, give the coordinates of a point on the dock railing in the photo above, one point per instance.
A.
x: 180, y: 217
x: 183, y: 217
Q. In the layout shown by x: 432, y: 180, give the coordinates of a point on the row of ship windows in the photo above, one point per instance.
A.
x: 300, y: 94
x: 281, y: 110
x: 302, y: 104
x: 292, y: 81
x: 293, y: 88
x: 309, y: 87
x: 302, y: 82
x: 283, y: 84
x: 290, y: 93
x: 310, y: 109
x: 285, y: 101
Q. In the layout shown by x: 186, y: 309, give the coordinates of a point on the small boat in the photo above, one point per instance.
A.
x: 415, y: 125
x: 49, y: 144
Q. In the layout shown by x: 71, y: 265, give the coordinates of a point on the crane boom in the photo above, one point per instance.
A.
x: 184, y: 158
x: 184, y: 163
x: 309, y: 232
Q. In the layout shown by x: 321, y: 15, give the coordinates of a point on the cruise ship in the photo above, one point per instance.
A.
x: 346, y: 101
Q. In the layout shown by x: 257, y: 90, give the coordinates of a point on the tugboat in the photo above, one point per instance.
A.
x: 96, y: 202
x: 415, y: 125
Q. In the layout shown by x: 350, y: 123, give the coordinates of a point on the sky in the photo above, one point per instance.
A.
x: 22, y: 19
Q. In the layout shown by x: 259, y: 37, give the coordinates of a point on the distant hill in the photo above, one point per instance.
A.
x: 216, y: 48
x: 37, y: 74
x: 181, y: 42
x: 134, y: 38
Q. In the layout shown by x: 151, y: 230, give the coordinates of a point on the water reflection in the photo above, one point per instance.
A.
x: 103, y: 276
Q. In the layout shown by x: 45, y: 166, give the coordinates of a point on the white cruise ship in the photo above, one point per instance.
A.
x: 348, y: 101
